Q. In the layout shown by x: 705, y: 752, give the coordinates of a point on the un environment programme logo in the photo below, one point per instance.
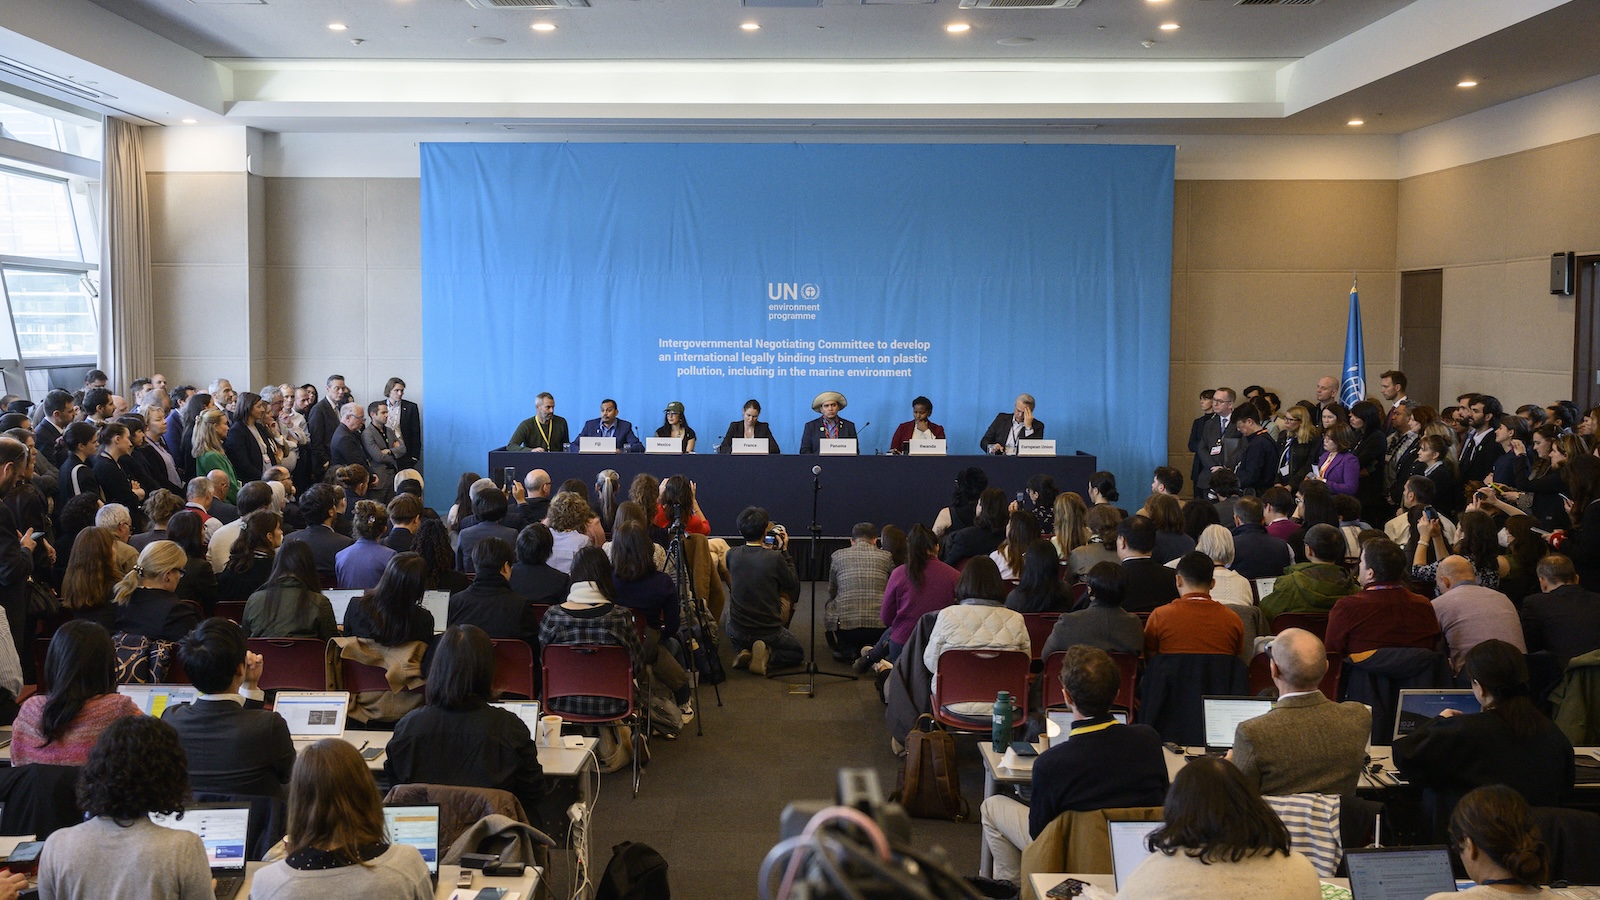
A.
x: 792, y: 301
x: 792, y: 290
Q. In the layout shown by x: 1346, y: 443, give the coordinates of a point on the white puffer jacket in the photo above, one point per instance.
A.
x: 975, y: 625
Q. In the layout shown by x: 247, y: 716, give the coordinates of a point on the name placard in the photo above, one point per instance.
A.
x: 749, y: 445
x: 597, y: 445
x: 663, y: 445
x: 1036, y: 448
x: 929, y: 447
x: 837, y: 447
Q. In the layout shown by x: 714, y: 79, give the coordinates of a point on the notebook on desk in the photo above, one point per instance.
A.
x: 1223, y: 715
x: 312, y: 715
x: 1399, y: 873
x: 416, y: 825
x: 1417, y: 707
x: 223, y: 829
x: 153, y: 699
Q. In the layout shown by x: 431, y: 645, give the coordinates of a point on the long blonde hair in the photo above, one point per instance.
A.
x: 157, y: 559
x: 1071, y: 532
x: 205, y: 438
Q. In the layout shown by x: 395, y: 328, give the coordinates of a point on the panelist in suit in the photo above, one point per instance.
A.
x: 830, y: 426
x: 919, y: 427
x: 1005, y: 431
x: 608, y: 425
x: 234, y: 746
x: 1307, y: 744
x: 543, y: 431
x: 750, y: 427
x: 405, y: 418
x: 1221, y: 445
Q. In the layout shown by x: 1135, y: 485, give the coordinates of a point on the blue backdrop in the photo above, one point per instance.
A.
x: 713, y: 273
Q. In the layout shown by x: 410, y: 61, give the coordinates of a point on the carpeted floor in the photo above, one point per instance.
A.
x: 710, y: 804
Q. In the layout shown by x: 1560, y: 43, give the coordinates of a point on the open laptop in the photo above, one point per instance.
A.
x: 438, y: 603
x: 341, y: 601
x: 1062, y: 719
x: 223, y: 828
x: 1128, y: 847
x: 1399, y: 873
x: 1416, y: 707
x: 312, y: 715
x: 1223, y: 715
x: 416, y: 826
x: 526, y: 710
x: 154, y: 699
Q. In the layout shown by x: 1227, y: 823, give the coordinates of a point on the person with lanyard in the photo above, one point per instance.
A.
x: 831, y: 426
x: 544, y: 431
x: 1006, y: 430
x: 1492, y: 829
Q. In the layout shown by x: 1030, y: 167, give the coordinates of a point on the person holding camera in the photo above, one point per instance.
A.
x: 761, y: 574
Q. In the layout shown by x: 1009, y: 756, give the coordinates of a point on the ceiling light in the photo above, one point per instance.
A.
x: 544, y: 26
x: 337, y: 26
x: 751, y: 26
x: 1467, y: 83
x: 1169, y: 26
x: 190, y: 121
x: 957, y: 27
x: 1356, y: 122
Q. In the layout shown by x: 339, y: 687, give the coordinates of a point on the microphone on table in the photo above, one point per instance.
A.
x: 816, y: 470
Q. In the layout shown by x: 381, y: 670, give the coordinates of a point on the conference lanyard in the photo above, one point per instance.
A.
x: 544, y: 432
x: 1090, y: 729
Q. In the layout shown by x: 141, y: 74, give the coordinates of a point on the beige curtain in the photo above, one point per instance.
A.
x: 127, y: 329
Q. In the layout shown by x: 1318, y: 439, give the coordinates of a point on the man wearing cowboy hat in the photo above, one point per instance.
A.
x: 830, y: 426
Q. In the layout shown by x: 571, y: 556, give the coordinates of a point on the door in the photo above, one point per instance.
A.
x: 1421, y: 306
x: 1586, y: 343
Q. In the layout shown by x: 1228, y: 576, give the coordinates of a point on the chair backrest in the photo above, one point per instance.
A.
x: 175, y: 673
x: 460, y: 807
x: 539, y: 609
x: 1080, y: 590
x: 513, y: 669
x: 1039, y: 627
x: 977, y: 676
x: 1260, y: 673
x: 232, y: 610
x: 1316, y: 623
x: 358, y: 677
x: 1127, y: 665
x: 1173, y: 685
x: 291, y: 664
x: 1330, y: 679
x: 588, y: 670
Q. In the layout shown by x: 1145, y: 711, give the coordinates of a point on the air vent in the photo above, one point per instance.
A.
x: 1020, y: 4
x: 48, y: 80
x: 1274, y: 2
x: 528, y: 4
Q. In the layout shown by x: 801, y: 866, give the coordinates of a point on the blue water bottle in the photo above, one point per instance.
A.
x: 1002, y: 722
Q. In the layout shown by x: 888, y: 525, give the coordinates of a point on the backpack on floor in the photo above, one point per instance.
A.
x: 930, y: 783
x: 636, y: 872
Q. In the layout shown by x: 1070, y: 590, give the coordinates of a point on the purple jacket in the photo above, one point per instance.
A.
x: 1343, y: 474
x: 904, y: 603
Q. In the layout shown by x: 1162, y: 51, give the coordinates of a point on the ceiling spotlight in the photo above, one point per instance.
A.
x: 190, y: 121
x: 751, y: 26
x: 1169, y: 26
x: 957, y: 27
x: 1356, y: 122
x: 544, y: 26
x: 1467, y: 83
x: 337, y: 26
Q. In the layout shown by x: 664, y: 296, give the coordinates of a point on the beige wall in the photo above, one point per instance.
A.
x: 1492, y: 226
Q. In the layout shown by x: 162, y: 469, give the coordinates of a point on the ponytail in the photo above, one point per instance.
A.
x: 125, y: 588
x: 155, y: 561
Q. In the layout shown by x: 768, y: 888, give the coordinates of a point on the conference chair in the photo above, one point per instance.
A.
x: 1039, y: 627
x: 595, y: 670
x: 232, y: 610
x: 514, y: 668
x: 1173, y: 685
x: 291, y: 664
x: 1127, y: 665
x: 978, y: 676
x: 1316, y: 623
x: 360, y: 678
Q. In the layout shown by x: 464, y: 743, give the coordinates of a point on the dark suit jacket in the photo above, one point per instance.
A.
x: 234, y: 749
x: 346, y: 448
x: 321, y: 423
x: 1478, y: 465
x: 45, y: 437
x: 1228, y: 444
x: 1565, y: 622
x: 1307, y: 745
x: 472, y: 535
x: 245, y: 454
x: 117, y: 487
x: 736, y: 430
x: 539, y: 584
x: 155, y: 469
x: 811, y: 434
x: 1195, y: 428
x: 999, y: 432
x: 490, y: 604
x: 410, y: 428
x: 1257, y: 554
x: 155, y: 614
x: 325, y: 544
x: 626, y: 439
x: 1257, y: 468
x: 1150, y: 585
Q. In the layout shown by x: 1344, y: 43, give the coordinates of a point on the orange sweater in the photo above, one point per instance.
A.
x: 1193, y: 623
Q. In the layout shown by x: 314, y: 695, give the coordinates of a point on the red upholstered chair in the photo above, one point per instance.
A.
x: 1260, y: 673
x: 514, y: 669
x: 1316, y: 623
x: 232, y: 610
x: 291, y: 664
x: 1127, y: 665
x: 978, y: 676
x: 1039, y: 627
x: 594, y: 670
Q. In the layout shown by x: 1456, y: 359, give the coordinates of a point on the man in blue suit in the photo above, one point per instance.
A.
x: 830, y: 426
x: 608, y: 425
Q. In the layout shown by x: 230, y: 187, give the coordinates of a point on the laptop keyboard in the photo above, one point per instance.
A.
x: 228, y: 886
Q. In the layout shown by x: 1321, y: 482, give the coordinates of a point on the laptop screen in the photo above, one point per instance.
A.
x: 1223, y: 715
x: 1405, y: 873
x: 416, y: 826
x: 341, y: 601
x: 526, y: 710
x: 153, y: 699
x: 222, y: 829
x: 313, y: 714
x: 1417, y: 707
x: 1128, y: 847
x: 1062, y: 719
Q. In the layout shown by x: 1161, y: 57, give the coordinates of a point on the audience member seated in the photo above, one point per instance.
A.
x: 145, y: 601
x: 439, y: 560
x: 963, y: 509
x: 249, y: 563
x: 392, y: 613
x: 1510, y: 742
x: 984, y: 535
x: 1072, y: 529
x: 1197, y: 517
x: 1193, y: 623
x: 114, y: 517
x: 1315, y: 585
x: 458, y: 738
x: 405, y: 517
x: 1102, y: 521
x: 360, y: 565
x: 201, y: 501
x: 570, y: 516
x: 1469, y: 613
x: 1307, y: 744
x: 590, y: 615
x: 1166, y: 516
x: 921, y: 586
x: 1493, y: 831
x: 1565, y: 619
x: 1103, y: 623
x: 489, y: 602
x: 1383, y: 613
x: 1228, y: 586
x: 136, y: 768
x: 652, y: 596
x: 1022, y: 529
x: 1416, y: 503
x: 979, y: 619
x: 1257, y: 554
x: 91, y: 576
x: 762, y: 590
x: 233, y: 745
x: 1041, y: 589
x: 322, y: 504
x: 1149, y: 584
x: 77, y: 699
x: 199, y: 582
x: 857, y: 577
x: 255, y: 495
x: 1219, y: 840
x: 489, y: 508
x: 678, y: 498
x: 290, y: 604
x: 532, y: 576
x: 1277, y: 505
x: 1104, y: 765
x: 337, y: 845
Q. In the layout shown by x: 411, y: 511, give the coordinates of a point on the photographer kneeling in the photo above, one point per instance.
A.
x: 760, y: 577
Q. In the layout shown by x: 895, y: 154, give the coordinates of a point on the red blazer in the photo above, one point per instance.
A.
x: 901, y: 442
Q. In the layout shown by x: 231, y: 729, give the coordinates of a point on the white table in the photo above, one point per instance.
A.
x: 1043, y: 882
x: 525, y: 884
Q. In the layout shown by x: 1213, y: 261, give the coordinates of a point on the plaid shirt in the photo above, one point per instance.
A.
x: 606, y: 624
x: 857, y: 576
